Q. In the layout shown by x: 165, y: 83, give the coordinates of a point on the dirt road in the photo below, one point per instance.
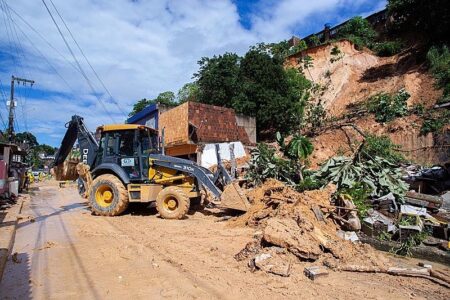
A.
x: 68, y: 253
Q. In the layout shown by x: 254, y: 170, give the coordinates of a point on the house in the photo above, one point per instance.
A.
x: 192, y: 128
x: 149, y: 116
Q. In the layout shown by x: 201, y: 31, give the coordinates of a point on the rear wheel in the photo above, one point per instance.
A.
x: 172, y: 203
x: 108, y: 196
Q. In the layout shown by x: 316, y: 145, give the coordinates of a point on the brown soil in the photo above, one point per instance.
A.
x: 140, y: 256
x: 359, y: 75
x: 287, y: 220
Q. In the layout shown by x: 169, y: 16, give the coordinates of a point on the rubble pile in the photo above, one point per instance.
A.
x: 297, y: 227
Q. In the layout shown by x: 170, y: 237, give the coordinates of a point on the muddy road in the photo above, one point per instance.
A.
x: 63, y: 252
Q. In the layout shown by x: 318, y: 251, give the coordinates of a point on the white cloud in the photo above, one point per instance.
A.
x: 139, y: 48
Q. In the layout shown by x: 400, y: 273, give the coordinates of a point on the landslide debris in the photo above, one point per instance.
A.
x: 289, y: 232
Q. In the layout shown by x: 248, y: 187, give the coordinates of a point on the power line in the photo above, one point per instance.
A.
x: 86, y: 59
x: 47, y: 61
x: 42, y: 37
x: 76, y: 61
x: 18, y: 46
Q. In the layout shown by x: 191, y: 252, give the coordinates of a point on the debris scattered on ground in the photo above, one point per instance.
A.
x: 47, y: 245
x: 287, y: 221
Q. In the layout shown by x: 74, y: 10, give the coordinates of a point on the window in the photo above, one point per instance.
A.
x: 126, y: 143
x: 110, y: 145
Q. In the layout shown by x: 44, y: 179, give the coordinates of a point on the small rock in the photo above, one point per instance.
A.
x: 274, y: 264
x: 425, y: 265
x: 315, y: 271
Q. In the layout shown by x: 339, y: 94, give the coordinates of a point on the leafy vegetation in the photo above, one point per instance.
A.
x: 298, y: 149
x: 429, y: 19
x: 387, y: 48
x: 381, y: 146
x: 265, y: 164
x: 336, y: 54
x: 218, y: 79
x: 167, y: 98
x: 359, y: 194
x: 359, y: 31
x: 315, y: 115
x: 314, y: 40
x: 405, y: 247
x: 439, y: 60
x: 34, y: 150
x: 435, y: 121
x: 387, y: 107
x: 380, y: 175
x: 189, y: 92
x: 256, y: 85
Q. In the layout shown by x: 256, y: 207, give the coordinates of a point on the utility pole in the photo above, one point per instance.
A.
x: 12, y: 104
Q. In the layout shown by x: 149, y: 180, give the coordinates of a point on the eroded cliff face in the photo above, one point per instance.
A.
x: 351, y: 77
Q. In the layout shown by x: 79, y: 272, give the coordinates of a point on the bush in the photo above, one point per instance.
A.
x: 359, y: 193
x: 387, y: 107
x: 435, y: 122
x: 359, y: 31
x: 315, y: 115
x: 439, y: 60
x: 387, y: 48
x: 265, y: 164
x: 309, y: 183
x: 381, y: 146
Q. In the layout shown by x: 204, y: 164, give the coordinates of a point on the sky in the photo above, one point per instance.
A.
x: 138, y: 48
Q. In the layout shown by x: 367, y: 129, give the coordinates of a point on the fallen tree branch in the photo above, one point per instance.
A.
x: 431, y: 275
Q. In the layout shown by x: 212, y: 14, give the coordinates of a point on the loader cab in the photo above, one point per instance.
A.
x: 128, y: 146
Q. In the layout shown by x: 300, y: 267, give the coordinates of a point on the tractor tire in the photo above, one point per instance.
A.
x: 108, y: 196
x: 172, y: 203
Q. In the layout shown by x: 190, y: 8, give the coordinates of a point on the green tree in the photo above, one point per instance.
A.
x: 189, y: 92
x: 167, y: 98
x: 300, y: 90
x: 439, y: 60
x: 430, y: 18
x: 359, y: 31
x: 138, y: 106
x: 314, y: 40
x: 45, y: 149
x: 217, y: 79
x: 265, y: 93
x: 26, y: 138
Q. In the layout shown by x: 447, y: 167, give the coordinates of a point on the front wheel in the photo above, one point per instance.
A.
x: 172, y: 203
x: 108, y: 196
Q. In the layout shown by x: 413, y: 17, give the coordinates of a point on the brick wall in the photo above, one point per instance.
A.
x: 175, y: 124
x: 194, y: 122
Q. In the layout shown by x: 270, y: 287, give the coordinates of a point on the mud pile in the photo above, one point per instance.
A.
x: 288, y: 231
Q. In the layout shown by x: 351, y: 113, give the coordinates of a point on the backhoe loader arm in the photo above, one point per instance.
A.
x: 230, y: 197
x: 76, y: 129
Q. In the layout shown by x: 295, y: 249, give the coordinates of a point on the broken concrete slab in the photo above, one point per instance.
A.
x: 348, y: 235
x: 315, y: 272
x: 285, y: 232
x: 273, y: 263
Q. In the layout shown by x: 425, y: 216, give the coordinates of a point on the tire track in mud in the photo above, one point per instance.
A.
x: 124, y: 228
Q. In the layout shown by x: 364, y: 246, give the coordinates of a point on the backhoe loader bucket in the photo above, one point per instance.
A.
x: 233, y: 197
x: 66, y: 170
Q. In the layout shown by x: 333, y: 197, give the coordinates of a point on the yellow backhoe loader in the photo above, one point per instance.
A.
x: 128, y: 165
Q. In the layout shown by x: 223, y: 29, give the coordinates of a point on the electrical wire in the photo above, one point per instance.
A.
x: 77, y: 62
x: 42, y: 38
x: 87, y: 61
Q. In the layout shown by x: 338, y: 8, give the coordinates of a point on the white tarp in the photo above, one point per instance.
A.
x: 208, y: 157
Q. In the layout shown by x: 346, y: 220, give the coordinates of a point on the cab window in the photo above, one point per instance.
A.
x: 126, y: 143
